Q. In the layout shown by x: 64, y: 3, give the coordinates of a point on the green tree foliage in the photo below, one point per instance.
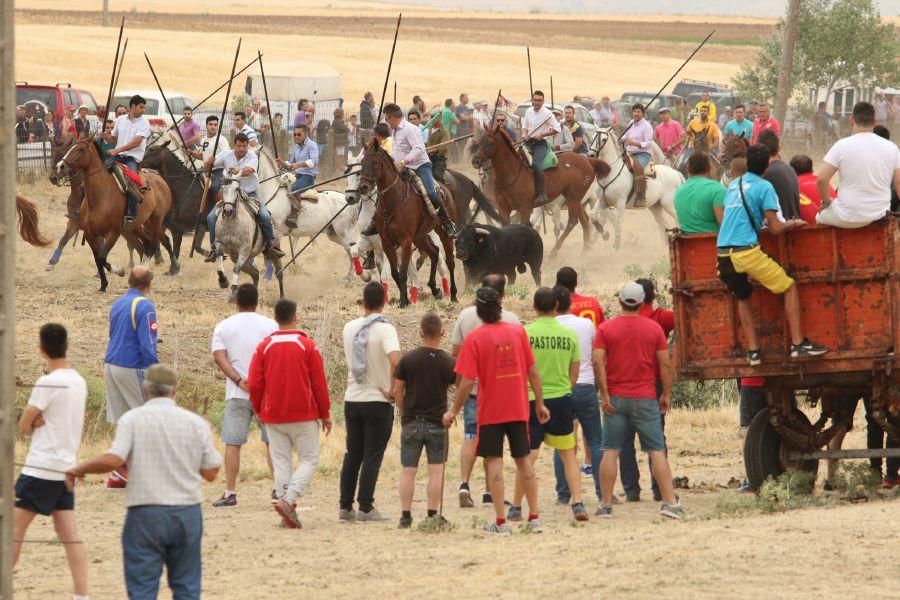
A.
x: 839, y: 42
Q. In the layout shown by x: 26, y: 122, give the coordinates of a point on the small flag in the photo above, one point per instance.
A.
x: 507, y: 104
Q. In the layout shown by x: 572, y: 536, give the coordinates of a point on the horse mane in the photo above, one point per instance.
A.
x: 28, y: 223
x: 505, y: 137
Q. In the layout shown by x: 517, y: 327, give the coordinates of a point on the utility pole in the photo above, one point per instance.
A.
x: 106, y: 13
x: 783, y: 91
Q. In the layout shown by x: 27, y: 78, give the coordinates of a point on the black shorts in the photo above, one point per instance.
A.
x: 559, y: 431
x: 737, y: 283
x: 489, y: 443
x: 43, y: 496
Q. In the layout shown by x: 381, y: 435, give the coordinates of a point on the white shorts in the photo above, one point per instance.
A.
x: 827, y: 216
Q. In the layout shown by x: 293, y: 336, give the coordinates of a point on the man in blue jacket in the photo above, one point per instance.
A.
x: 130, y: 352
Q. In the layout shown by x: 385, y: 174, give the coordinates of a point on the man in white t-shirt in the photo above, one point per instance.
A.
x: 467, y: 322
x: 234, y: 341
x: 372, y: 351
x: 585, y: 402
x: 866, y: 164
x: 54, y: 417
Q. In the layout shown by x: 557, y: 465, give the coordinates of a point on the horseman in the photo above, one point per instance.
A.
x: 305, y: 165
x: 538, y: 123
x: 408, y: 151
x: 243, y: 164
x: 638, y: 141
x: 702, y: 133
x: 204, y: 152
x: 129, y: 134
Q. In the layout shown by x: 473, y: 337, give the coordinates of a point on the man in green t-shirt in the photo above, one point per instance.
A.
x: 557, y: 354
x: 700, y: 201
x: 448, y: 117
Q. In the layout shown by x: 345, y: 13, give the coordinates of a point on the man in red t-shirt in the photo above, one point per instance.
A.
x: 810, y: 201
x: 764, y: 121
x: 585, y: 307
x: 631, y: 349
x: 499, y: 355
x: 664, y: 317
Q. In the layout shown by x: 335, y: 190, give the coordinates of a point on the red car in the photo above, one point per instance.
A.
x: 41, y: 98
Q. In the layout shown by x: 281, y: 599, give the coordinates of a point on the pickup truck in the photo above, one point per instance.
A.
x: 849, y: 284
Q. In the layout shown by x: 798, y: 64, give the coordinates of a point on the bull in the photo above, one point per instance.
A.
x: 487, y: 249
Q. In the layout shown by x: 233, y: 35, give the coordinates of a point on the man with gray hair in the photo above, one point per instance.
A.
x: 170, y: 451
x: 130, y: 352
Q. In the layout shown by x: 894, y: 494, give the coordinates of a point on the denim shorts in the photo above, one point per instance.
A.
x: 642, y: 414
x: 236, y: 423
x: 470, y: 418
x: 420, y: 434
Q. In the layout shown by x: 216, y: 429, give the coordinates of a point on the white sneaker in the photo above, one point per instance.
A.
x: 496, y: 530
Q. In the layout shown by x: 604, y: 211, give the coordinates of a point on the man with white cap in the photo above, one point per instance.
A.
x: 631, y: 350
x: 603, y: 114
x: 563, y: 140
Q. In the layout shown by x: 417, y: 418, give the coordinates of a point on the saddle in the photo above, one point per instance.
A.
x: 310, y: 196
x: 649, y: 170
x: 130, y: 182
x: 412, y: 177
x: 550, y: 160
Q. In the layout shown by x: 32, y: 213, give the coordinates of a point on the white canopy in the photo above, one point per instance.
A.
x: 302, y: 79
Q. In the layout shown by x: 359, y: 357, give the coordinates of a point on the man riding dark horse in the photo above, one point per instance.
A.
x: 408, y: 152
x: 243, y: 163
x: 129, y: 134
x: 538, y: 123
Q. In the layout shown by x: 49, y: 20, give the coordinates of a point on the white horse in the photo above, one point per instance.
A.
x: 555, y: 208
x: 616, y: 188
x: 372, y: 243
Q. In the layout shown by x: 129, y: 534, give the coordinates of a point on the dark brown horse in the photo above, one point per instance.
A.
x: 514, y: 183
x: 103, y: 209
x: 58, y: 149
x: 403, y: 221
x: 735, y: 149
x: 28, y: 223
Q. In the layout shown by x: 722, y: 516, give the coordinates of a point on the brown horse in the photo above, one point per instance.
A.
x: 403, y: 221
x: 514, y: 183
x: 103, y: 209
x: 58, y: 149
x: 735, y: 149
x: 28, y: 223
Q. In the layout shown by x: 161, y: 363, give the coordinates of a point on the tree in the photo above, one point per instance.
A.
x: 839, y: 42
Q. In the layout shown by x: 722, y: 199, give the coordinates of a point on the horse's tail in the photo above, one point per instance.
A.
x: 601, y: 168
x: 483, y: 202
x: 28, y: 223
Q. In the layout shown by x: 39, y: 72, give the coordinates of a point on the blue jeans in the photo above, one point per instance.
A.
x: 132, y: 164
x: 156, y: 535
x: 642, y: 157
x: 587, y: 411
x: 264, y: 217
x: 427, y: 177
x: 303, y: 181
x: 538, y: 153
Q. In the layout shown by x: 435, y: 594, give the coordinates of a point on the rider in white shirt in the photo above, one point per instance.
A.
x: 539, y: 123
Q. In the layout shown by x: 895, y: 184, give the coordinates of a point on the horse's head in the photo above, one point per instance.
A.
x: 486, y: 147
x: 735, y: 147
x: 604, y: 135
x: 231, y: 193
x: 78, y: 157
x: 156, y: 155
x: 374, y: 159
x: 58, y: 148
x: 354, y: 166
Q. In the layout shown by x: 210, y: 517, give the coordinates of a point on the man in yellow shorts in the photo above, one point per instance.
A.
x: 750, y: 204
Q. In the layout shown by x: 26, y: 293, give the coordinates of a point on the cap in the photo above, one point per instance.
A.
x: 487, y: 295
x: 482, y: 102
x: 161, y: 375
x: 604, y: 97
x: 84, y: 107
x: 727, y: 108
x: 70, y: 107
x: 556, y: 111
x: 632, y: 294
x: 664, y: 109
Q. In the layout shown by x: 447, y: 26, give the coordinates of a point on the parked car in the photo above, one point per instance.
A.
x: 686, y: 87
x: 156, y: 109
x: 582, y: 116
x: 41, y: 98
x: 652, y: 113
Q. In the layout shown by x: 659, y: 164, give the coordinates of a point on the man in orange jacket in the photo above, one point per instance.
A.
x: 289, y: 394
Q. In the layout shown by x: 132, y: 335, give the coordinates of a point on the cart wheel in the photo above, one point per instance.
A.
x: 765, y: 452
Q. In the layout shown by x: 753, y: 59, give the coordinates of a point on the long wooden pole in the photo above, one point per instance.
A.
x: 262, y: 73
x: 118, y: 72
x: 552, y: 99
x: 112, y: 76
x: 215, y: 149
x: 169, y: 110
x: 530, y: 83
x: 218, y: 89
x: 387, y: 76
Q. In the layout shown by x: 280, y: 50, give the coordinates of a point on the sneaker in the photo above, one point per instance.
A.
x: 486, y: 499
x: 754, y: 357
x: 889, y: 485
x: 114, y: 482
x: 288, y: 512
x: 587, y: 469
x: 226, y: 500
x: 514, y: 513
x: 405, y: 523
x: 345, y: 515
x: 533, y: 526
x: 494, y: 529
x: 807, y: 348
x: 465, y: 496
x: 580, y: 512
x: 672, y: 511
x: 371, y: 516
x: 745, y: 488
x: 604, y: 511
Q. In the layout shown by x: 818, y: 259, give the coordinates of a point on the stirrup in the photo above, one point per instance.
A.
x: 272, y: 251
x: 128, y: 223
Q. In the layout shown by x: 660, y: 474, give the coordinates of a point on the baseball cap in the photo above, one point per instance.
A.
x: 632, y: 294
x: 488, y: 295
x: 84, y: 107
x: 161, y: 375
x: 70, y: 107
x: 664, y: 109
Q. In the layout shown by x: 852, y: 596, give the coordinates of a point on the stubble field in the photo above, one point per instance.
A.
x: 828, y: 552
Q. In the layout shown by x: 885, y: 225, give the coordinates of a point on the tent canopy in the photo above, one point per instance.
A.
x: 294, y: 80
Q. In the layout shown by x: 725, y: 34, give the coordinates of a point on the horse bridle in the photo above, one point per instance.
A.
x: 497, y: 186
x: 83, y: 149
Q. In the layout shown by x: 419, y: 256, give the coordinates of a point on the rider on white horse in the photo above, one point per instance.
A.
x: 638, y: 140
x: 244, y: 164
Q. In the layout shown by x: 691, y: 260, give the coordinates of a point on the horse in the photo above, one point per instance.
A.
x: 555, y: 208
x: 239, y: 236
x: 186, y: 185
x: 27, y: 215
x: 402, y: 220
x: 515, y: 191
x: 58, y: 149
x: 103, y: 209
x: 735, y: 148
x: 616, y: 188
x: 372, y: 243
x: 464, y: 191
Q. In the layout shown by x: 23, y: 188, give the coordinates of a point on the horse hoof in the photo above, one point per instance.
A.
x: 120, y: 272
x: 365, y: 276
x: 604, y: 235
x: 175, y: 269
x: 158, y: 260
x: 403, y: 303
x: 50, y: 266
x: 223, y: 282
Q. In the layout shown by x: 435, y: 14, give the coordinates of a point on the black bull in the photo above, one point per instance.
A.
x: 487, y: 249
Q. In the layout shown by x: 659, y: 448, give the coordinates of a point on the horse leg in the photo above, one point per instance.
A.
x: 428, y: 247
x: 574, y: 209
x: 333, y: 236
x: 391, y: 253
x: 71, y: 229
x: 236, y: 275
x: 174, y: 267
x: 220, y: 270
x: 620, y: 218
x: 447, y: 243
x: 585, y: 227
x: 280, y: 276
x: 97, y: 245
x: 657, y: 211
x: 250, y: 269
x: 403, y: 271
